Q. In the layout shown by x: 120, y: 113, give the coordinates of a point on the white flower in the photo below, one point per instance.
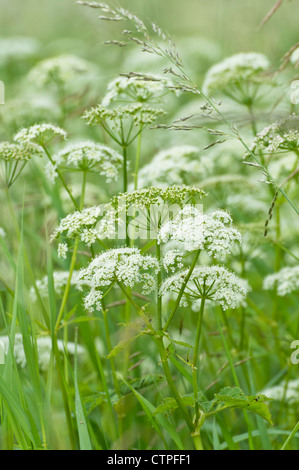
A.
x: 60, y: 279
x: 89, y: 156
x: 40, y: 134
x: 285, y: 281
x: 125, y: 265
x: 44, y: 350
x: 174, y: 166
x: 62, y: 69
x: 287, y: 391
x: 136, y: 89
x: 279, y: 136
x: 197, y: 231
x: 18, y: 49
x: 244, y: 67
x: 172, y: 260
x: 214, y: 283
x: 62, y: 250
x: 79, y: 224
x: 295, y: 57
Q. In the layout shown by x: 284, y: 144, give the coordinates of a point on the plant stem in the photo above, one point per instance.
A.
x: 182, y: 290
x: 195, y: 358
x: 159, y: 298
x: 137, y: 162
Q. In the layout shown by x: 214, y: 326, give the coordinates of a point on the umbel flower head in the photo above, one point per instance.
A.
x: 234, y: 74
x: 61, y: 70
x: 284, y: 282
x: 120, y: 265
x: 174, y: 166
x: 40, y: 134
x: 78, y: 224
x: 14, y: 157
x: 60, y: 280
x: 90, y: 157
x: 140, y: 115
x: 285, y: 391
x: 139, y: 88
x: 212, y: 283
x: 197, y: 231
x: 44, y: 350
x: 18, y: 48
x: 282, y: 136
x: 146, y: 209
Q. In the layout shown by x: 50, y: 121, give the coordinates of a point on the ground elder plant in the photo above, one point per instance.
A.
x: 149, y: 241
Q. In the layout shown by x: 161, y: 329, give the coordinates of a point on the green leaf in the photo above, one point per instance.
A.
x: 236, y: 398
x: 169, y: 404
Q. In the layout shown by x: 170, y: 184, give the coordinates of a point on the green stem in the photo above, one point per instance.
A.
x: 61, y: 179
x: 182, y: 290
x: 195, y: 358
x: 137, y: 162
x: 159, y: 282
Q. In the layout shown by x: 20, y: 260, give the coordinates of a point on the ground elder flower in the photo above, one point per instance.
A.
x: 288, y: 391
x: 125, y: 265
x: 41, y: 134
x: 62, y: 69
x: 197, y: 231
x: 78, y: 224
x: 60, y: 280
x: 236, y: 71
x: 284, y: 282
x: 137, y: 89
x: 174, y: 166
x: 213, y: 283
x: 44, y: 350
x: 89, y: 156
x: 140, y: 115
x: 282, y: 136
x: 172, y: 260
x: 18, y: 49
x: 14, y: 158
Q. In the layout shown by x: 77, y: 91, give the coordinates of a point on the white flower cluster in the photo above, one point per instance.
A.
x: 136, y: 89
x: 283, y: 136
x: 288, y: 391
x: 140, y: 115
x: 174, y: 166
x: 89, y: 156
x: 214, y: 283
x: 62, y: 69
x: 18, y: 152
x: 18, y: 49
x: 244, y: 67
x: 285, y: 281
x: 60, y: 280
x: 44, y: 350
x: 125, y: 265
x: 172, y: 260
x: 40, y: 134
x: 2, y: 232
x: 79, y: 224
x: 196, y: 231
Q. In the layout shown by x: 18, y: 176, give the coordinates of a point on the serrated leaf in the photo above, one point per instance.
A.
x: 121, y: 346
x: 236, y: 398
x: 169, y: 405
